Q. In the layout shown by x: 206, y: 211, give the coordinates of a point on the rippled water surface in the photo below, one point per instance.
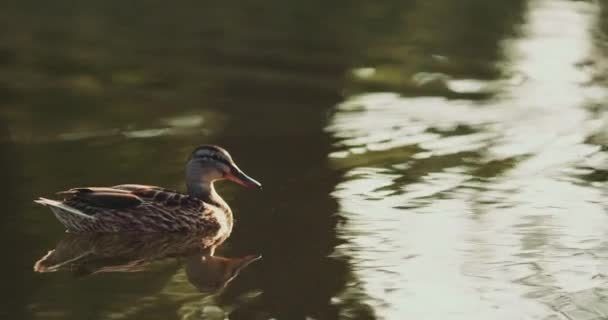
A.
x: 420, y: 159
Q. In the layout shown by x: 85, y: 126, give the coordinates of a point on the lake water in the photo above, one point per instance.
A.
x: 420, y: 159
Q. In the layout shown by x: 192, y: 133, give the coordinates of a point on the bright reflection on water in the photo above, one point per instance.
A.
x: 462, y: 209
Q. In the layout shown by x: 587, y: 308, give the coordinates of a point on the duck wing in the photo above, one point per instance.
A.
x: 128, y: 196
x: 135, y: 187
x: 108, y: 198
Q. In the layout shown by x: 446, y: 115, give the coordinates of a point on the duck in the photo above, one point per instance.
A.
x: 141, y: 208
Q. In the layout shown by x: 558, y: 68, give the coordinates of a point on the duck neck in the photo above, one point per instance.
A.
x: 207, y: 193
x: 203, y: 189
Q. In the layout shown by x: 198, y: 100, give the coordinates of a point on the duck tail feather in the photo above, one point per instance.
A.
x: 60, y: 205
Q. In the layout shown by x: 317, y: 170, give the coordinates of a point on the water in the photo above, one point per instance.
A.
x: 430, y: 159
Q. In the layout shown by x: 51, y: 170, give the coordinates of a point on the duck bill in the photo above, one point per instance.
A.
x: 238, y: 176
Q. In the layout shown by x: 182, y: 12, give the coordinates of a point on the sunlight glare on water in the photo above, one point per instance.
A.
x: 458, y: 209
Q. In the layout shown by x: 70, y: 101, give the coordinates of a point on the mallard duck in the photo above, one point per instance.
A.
x: 144, y: 208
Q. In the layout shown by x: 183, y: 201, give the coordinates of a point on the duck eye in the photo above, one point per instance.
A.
x: 213, y: 157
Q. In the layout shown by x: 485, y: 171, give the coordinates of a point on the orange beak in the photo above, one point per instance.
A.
x: 238, y: 176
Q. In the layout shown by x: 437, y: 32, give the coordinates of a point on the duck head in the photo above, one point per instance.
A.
x: 210, y: 163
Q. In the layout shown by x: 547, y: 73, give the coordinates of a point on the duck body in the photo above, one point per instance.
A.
x: 137, y: 208
x: 144, y: 208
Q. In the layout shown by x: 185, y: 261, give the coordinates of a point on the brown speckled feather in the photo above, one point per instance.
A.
x: 137, y: 208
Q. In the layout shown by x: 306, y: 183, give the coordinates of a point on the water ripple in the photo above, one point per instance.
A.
x: 491, y: 209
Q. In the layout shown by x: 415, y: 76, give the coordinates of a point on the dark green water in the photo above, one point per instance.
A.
x: 420, y: 159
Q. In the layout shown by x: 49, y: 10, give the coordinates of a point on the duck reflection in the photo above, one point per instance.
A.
x: 89, y: 254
